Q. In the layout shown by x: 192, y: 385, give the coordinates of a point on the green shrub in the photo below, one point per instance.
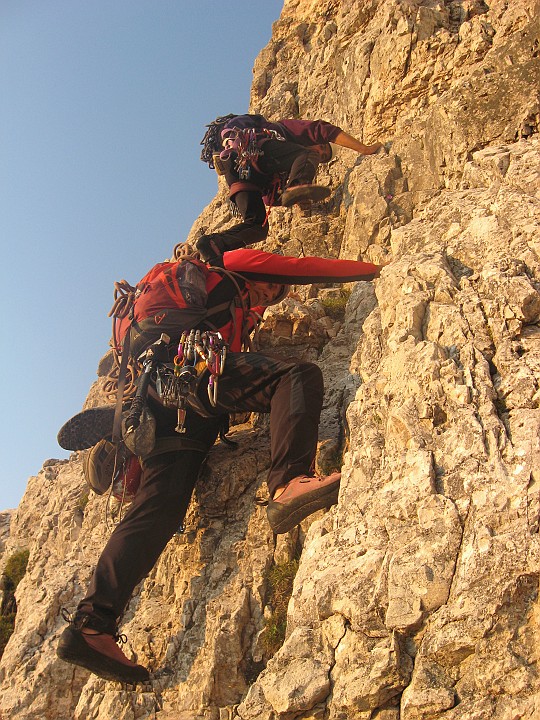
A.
x: 83, y: 501
x: 280, y: 579
x: 334, y: 306
x: 7, y: 624
x: 13, y: 573
x: 15, y: 568
x: 331, y: 461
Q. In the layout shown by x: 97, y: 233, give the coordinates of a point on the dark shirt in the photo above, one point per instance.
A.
x: 302, y: 132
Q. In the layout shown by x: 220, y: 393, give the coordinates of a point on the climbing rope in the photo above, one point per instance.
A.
x: 110, y: 386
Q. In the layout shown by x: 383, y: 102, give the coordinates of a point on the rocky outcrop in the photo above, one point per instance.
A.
x: 408, y: 585
x: 416, y: 597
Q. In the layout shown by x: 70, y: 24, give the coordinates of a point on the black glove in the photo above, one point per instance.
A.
x: 211, y: 249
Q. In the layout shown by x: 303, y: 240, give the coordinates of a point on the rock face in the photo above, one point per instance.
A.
x: 416, y: 596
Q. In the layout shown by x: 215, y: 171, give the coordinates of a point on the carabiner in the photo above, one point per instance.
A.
x: 223, y: 355
x: 213, y: 390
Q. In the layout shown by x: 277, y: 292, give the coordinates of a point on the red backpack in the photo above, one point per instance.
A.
x: 170, y: 298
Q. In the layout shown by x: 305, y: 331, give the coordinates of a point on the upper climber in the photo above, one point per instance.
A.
x: 268, y: 163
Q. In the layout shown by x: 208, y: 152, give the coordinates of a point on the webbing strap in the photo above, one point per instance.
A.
x: 232, y: 277
x: 218, y: 308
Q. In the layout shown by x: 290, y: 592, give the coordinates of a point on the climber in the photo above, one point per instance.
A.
x: 272, y: 163
x: 290, y: 390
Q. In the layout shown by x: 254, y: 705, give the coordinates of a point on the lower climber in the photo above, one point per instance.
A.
x: 290, y: 390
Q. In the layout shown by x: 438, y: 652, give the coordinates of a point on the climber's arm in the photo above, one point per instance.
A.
x: 348, y: 141
x: 268, y: 267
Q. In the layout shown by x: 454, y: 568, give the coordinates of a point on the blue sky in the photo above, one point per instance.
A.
x: 102, y: 108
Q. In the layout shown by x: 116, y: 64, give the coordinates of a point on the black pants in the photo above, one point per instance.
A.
x: 296, y: 161
x: 292, y: 392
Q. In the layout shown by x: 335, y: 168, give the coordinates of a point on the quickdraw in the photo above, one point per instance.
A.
x: 197, y: 352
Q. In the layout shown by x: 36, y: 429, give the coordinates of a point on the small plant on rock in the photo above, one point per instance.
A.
x: 13, y: 573
x: 280, y: 579
x: 334, y: 305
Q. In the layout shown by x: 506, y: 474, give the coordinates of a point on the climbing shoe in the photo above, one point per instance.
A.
x: 87, y: 428
x: 100, y: 654
x: 301, y: 193
x: 302, y: 496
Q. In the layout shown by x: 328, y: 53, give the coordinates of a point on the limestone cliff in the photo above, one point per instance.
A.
x: 416, y: 597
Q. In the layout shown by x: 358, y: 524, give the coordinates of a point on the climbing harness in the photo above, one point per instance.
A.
x: 176, y: 385
x: 246, y: 143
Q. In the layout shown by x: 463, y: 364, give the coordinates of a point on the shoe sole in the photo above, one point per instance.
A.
x: 87, y: 428
x: 314, y: 193
x: 283, y: 518
x: 73, y: 650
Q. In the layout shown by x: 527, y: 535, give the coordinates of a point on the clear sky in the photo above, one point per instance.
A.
x: 103, y: 104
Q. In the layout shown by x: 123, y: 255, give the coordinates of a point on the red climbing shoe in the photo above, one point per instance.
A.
x: 302, y: 496
x: 101, y: 655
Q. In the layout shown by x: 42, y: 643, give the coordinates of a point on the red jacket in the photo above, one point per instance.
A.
x: 268, y: 267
